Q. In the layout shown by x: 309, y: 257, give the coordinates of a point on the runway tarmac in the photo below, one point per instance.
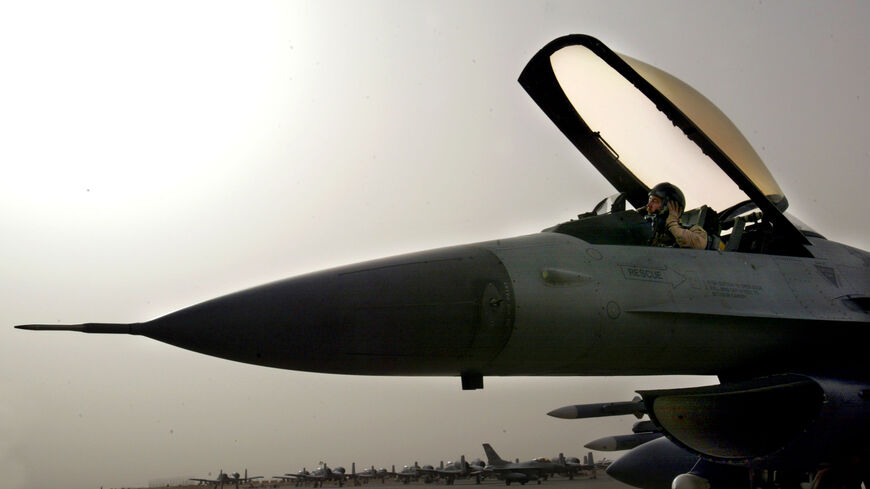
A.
x: 603, y: 481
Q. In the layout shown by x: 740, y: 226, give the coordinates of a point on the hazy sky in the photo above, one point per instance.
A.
x: 157, y: 154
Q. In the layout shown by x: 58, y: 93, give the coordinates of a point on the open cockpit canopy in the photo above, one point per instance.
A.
x: 640, y: 126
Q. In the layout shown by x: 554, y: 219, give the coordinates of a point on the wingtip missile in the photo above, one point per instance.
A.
x: 597, y: 410
x: 564, y: 412
x: 621, y: 442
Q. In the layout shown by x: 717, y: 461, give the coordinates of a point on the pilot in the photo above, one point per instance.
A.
x: 664, y: 207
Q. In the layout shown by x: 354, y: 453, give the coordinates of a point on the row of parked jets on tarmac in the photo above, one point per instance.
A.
x: 537, y: 470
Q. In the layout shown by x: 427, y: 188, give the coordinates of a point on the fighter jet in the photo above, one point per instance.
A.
x: 413, y: 473
x: 234, y: 478
x: 775, y: 312
x: 367, y: 475
x: 457, y: 470
x: 317, y: 476
x: 533, y: 470
x: 571, y: 466
x: 325, y: 474
x: 299, y: 477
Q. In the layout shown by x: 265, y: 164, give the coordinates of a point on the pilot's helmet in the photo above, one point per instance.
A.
x: 668, y: 192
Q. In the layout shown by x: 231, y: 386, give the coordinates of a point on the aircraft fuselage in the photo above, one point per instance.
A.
x: 543, y: 304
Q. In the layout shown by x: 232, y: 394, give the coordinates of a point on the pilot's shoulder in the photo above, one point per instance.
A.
x: 698, y: 230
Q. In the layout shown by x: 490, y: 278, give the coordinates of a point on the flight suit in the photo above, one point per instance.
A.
x: 669, y: 232
x: 693, y: 237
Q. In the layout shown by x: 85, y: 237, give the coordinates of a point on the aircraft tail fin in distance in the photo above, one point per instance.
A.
x: 492, y: 458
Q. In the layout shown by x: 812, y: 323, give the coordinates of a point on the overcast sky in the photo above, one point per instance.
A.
x: 157, y: 154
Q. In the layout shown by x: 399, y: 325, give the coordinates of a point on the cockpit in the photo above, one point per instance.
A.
x: 741, y: 228
x: 639, y: 125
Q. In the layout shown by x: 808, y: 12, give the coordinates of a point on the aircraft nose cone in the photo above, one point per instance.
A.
x: 430, y: 313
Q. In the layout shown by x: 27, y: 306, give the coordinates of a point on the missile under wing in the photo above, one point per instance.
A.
x: 774, y: 314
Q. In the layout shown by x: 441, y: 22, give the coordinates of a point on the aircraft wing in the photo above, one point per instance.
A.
x: 519, y: 473
x: 299, y: 477
x: 730, y: 425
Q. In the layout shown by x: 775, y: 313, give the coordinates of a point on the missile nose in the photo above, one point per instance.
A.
x: 440, y: 312
x: 564, y: 412
x: 605, y: 444
x: 597, y: 410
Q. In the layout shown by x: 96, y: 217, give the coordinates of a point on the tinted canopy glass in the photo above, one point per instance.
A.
x: 653, y: 126
x: 646, y: 141
x: 640, y: 126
